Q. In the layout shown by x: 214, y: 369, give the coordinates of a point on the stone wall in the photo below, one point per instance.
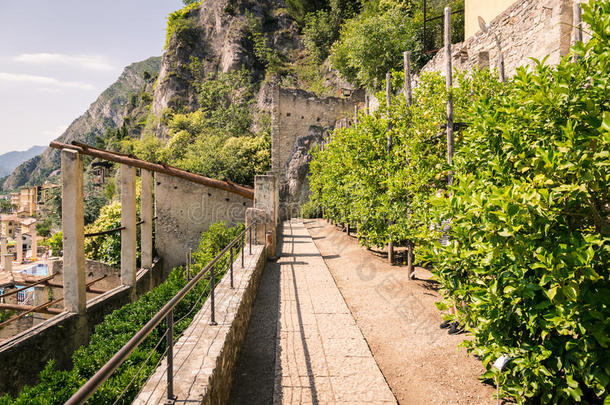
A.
x: 527, y: 29
x: 26, y: 354
x: 185, y: 210
x: 215, y: 353
x: 301, y: 120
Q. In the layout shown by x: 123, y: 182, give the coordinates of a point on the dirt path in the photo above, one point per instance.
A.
x: 399, y: 320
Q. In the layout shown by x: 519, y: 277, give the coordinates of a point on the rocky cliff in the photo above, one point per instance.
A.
x: 108, y: 111
x: 218, y: 36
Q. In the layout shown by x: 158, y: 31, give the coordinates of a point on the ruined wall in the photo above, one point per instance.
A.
x: 527, y: 29
x: 301, y: 120
x: 185, y: 210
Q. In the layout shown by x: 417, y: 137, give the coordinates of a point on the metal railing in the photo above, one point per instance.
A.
x: 167, y: 313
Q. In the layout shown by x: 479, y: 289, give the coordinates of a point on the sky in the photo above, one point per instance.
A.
x: 57, y: 56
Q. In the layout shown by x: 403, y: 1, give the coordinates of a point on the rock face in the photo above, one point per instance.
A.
x: 108, y: 111
x: 296, y: 188
x: 217, y: 36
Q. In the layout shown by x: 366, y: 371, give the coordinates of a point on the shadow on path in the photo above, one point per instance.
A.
x: 255, y: 371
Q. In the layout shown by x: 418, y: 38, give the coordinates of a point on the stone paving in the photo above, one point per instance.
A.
x: 321, y: 355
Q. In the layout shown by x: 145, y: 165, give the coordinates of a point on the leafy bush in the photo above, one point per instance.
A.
x: 320, y: 32
x: 525, y: 227
x: 372, y: 44
x: 179, y: 24
x: 530, y: 252
x: 216, y: 140
x: 57, y: 386
x: 310, y: 209
x: 56, y: 243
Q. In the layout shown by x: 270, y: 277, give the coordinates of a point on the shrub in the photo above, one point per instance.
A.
x: 530, y: 252
x: 526, y: 229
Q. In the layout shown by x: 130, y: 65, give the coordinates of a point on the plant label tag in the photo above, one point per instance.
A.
x: 501, y: 361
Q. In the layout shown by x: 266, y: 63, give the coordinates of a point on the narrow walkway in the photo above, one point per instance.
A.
x: 320, y: 354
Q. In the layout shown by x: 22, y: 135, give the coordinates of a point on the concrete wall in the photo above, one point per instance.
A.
x: 528, y: 28
x: 26, y: 354
x: 185, y: 210
x: 488, y: 9
x: 299, y: 121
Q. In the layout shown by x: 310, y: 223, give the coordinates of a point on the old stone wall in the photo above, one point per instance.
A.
x: 185, y: 210
x: 216, y: 352
x: 527, y: 29
x: 23, y: 356
x: 301, y: 120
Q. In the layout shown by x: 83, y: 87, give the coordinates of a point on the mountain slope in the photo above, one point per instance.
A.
x: 107, y: 112
x: 9, y: 161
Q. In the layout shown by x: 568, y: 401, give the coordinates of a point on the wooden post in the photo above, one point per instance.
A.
x: 73, y: 224
x: 449, y: 85
x: 367, y: 102
x: 577, y: 23
x: 356, y: 115
x: 407, y: 62
x: 388, y: 101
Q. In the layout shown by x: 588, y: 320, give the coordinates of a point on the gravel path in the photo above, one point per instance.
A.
x: 421, y: 363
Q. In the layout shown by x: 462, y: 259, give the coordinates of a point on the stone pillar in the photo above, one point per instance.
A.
x: 146, y: 215
x: 34, y: 242
x: 8, y: 262
x: 258, y: 234
x: 128, y: 220
x: 73, y: 224
x: 266, y: 196
x: 19, y: 245
x: 3, y: 251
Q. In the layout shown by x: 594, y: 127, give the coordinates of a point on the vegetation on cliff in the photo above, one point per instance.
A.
x: 520, y: 243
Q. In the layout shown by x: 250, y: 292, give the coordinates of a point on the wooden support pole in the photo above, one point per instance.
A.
x: 577, y: 23
x: 449, y: 87
x: 73, y: 224
x: 408, y: 91
x: 356, y: 115
x: 388, y: 101
x: 128, y: 222
x: 367, y: 103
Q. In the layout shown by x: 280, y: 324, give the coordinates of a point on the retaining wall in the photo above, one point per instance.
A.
x: 26, y: 354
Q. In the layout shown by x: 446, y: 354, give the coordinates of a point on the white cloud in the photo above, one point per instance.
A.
x: 44, y: 81
x: 89, y: 62
x: 55, y: 132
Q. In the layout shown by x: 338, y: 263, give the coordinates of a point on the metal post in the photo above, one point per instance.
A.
x: 212, y: 287
x: 170, y: 357
x: 243, y: 246
x: 231, y: 258
x: 407, y: 62
x: 448, y: 85
x: 250, y: 238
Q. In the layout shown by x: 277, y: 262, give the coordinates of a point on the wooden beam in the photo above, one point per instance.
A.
x: 46, y: 310
x: 155, y: 167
